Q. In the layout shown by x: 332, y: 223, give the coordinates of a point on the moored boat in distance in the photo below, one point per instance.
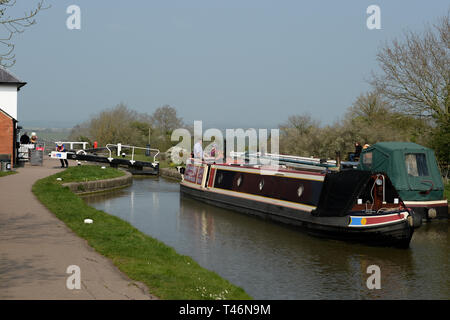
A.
x: 353, y: 205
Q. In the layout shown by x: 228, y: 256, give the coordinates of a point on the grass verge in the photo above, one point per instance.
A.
x: 88, y: 173
x: 166, y: 273
x: 6, y: 173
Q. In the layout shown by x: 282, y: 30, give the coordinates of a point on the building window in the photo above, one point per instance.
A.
x: 416, y: 164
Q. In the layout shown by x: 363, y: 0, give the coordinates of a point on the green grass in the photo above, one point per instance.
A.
x: 88, y: 173
x: 167, y: 274
x: 7, y: 173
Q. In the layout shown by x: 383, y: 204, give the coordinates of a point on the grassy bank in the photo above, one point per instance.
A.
x: 167, y: 274
x: 6, y: 173
x: 88, y: 173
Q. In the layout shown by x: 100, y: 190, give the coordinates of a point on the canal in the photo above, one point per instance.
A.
x: 274, y: 261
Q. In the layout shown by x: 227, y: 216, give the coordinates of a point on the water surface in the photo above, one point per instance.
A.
x: 274, y: 261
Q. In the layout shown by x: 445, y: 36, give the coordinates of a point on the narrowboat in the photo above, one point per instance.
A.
x: 414, y: 173
x: 355, y: 205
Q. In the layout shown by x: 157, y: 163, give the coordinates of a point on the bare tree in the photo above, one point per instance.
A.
x: 370, y: 107
x: 416, y: 72
x: 114, y: 125
x: 13, y: 25
x: 416, y: 80
x: 298, y: 135
x: 166, y: 120
x: 369, y: 119
x: 163, y: 121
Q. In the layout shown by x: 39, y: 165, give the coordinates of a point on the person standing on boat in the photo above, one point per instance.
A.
x: 198, y: 150
x: 358, y: 149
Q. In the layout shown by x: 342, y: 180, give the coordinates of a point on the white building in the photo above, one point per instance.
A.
x: 9, y: 86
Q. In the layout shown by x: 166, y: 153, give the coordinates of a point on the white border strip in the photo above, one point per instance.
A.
x: 443, y: 202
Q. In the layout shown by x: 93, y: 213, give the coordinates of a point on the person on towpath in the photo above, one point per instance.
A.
x: 61, y: 148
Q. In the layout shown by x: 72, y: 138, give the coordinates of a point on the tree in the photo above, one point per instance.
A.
x: 369, y: 108
x: 13, y: 25
x: 163, y: 121
x: 143, y: 130
x: 80, y: 132
x: 123, y: 125
x: 114, y: 126
x: 299, y: 135
x: 416, y: 79
x: 440, y: 142
x: 370, y: 119
x: 416, y: 72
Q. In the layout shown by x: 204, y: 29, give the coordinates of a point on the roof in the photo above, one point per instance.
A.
x: 7, y: 77
x: 395, y: 145
x: 414, y: 179
x: 6, y: 114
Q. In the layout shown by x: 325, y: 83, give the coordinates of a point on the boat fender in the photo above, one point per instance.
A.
x: 431, y: 214
x: 414, y: 219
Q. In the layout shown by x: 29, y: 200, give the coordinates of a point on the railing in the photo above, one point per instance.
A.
x: 286, y: 159
x: 119, y: 146
x: 72, y: 143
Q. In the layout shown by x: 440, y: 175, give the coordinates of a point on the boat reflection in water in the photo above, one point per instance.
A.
x: 275, y: 261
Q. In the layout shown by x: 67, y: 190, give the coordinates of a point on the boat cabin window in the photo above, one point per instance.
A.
x: 261, y: 184
x: 300, y: 190
x: 367, y: 159
x: 239, y: 180
x: 416, y: 164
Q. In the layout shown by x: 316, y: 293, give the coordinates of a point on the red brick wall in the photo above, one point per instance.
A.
x: 6, y: 136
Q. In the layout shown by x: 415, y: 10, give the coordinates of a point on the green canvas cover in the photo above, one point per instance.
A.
x: 412, y: 169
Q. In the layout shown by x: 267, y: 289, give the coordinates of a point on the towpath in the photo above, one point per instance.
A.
x: 36, y: 249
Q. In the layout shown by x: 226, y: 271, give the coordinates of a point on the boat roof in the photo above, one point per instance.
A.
x: 391, y: 158
x: 395, y: 145
x: 238, y: 166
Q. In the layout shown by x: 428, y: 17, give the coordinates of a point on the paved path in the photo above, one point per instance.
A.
x: 36, y: 248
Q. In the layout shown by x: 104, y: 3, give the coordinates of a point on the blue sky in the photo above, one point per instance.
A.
x: 229, y: 63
